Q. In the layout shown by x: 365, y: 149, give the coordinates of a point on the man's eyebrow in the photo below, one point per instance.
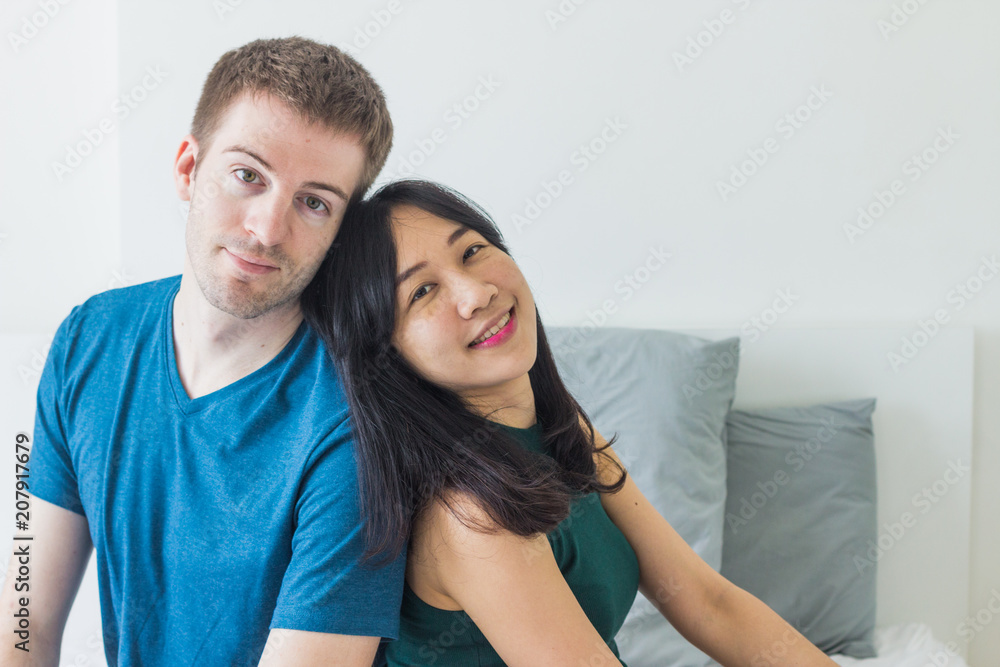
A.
x: 238, y: 148
x: 455, y: 235
x: 324, y: 186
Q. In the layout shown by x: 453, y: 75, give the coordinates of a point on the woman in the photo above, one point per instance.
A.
x: 526, y: 538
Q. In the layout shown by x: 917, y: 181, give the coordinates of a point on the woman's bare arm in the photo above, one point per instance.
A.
x: 510, y: 586
x: 729, y: 624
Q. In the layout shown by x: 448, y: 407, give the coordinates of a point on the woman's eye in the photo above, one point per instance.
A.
x: 314, y: 204
x: 472, y: 250
x: 247, y: 176
x: 420, y: 292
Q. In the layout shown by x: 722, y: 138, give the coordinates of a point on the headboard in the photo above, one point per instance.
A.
x: 923, y: 440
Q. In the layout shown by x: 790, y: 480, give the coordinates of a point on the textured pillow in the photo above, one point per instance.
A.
x: 666, y: 395
x: 800, y: 507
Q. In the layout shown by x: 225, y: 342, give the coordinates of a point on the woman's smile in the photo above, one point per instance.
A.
x: 455, y: 288
x: 498, y: 333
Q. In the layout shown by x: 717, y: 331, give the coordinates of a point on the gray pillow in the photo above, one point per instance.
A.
x: 800, y: 507
x: 666, y: 395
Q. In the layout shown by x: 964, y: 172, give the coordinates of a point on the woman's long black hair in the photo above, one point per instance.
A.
x: 416, y: 441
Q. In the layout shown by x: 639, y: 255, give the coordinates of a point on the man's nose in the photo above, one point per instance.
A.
x: 268, y: 219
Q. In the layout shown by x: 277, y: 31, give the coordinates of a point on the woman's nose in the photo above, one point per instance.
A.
x: 472, y: 294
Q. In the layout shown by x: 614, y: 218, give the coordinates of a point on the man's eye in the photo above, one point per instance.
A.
x: 247, y: 176
x: 315, y: 204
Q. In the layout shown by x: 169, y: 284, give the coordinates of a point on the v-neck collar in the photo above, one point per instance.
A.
x: 188, y: 405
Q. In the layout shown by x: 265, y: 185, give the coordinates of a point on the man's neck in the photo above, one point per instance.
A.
x: 214, y: 349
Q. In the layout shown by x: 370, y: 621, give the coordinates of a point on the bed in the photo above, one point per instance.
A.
x: 858, y: 535
x: 921, y: 425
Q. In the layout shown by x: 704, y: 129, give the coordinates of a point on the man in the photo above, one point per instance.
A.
x: 193, y: 429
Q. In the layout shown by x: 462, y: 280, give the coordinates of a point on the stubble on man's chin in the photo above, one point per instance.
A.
x: 240, y: 300
x: 246, y: 300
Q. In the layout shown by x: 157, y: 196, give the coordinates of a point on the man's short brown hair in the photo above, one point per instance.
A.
x: 319, y: 81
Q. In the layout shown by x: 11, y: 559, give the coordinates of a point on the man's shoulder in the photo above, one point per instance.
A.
x: 127, y: 299
x: 116, y: 317
x: 123, y: 309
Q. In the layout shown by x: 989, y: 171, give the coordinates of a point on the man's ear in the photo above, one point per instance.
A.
x: 184, y: 164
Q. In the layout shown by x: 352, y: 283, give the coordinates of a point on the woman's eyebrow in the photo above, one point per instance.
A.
x: 455, y: 235
x: 409, y: 272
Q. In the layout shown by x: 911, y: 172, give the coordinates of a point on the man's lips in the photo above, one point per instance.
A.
x: 250, y: 264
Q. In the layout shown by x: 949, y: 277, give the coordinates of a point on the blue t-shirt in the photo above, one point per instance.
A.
x: 213, y: 519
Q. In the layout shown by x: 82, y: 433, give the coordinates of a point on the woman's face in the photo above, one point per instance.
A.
x: 455, y: 289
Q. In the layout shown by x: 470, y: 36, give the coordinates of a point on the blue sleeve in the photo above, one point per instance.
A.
x: 326, y: 587
x: 52, y: 476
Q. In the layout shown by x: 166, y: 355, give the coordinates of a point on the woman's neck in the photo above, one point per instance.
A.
x: 511, y: 404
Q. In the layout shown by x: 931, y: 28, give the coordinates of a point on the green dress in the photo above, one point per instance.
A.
x: 593, y: 555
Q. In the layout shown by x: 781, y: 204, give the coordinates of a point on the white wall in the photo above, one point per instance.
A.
x: 115, y: 220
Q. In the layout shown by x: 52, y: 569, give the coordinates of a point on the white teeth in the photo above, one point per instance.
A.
x: 492, y: 332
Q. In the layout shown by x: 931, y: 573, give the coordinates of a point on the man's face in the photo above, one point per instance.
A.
x: 267, y: 199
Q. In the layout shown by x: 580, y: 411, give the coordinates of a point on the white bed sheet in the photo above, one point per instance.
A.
x: 909, y: 645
